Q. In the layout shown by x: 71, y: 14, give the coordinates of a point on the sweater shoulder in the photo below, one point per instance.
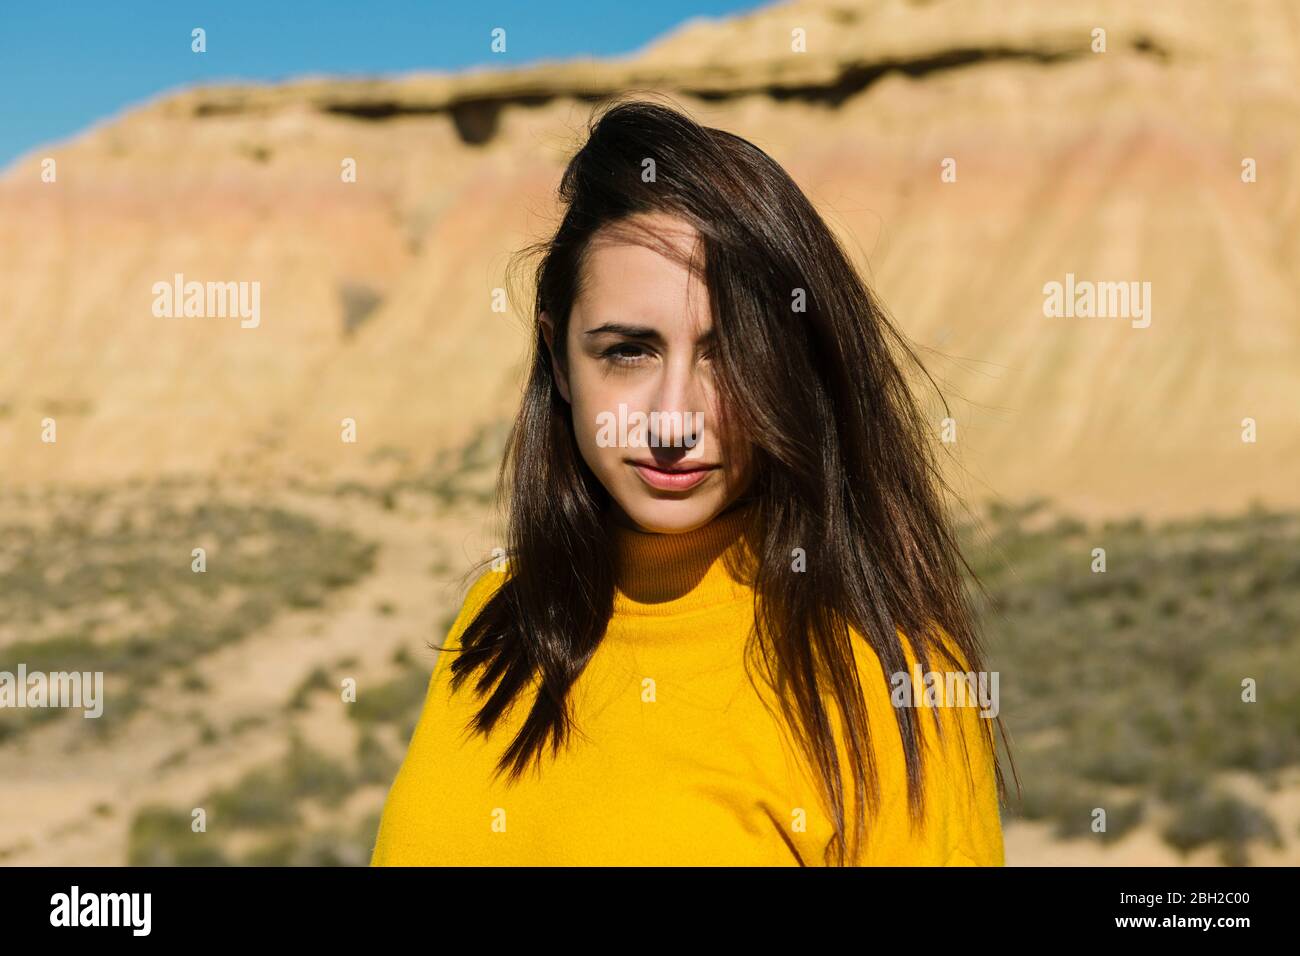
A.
x: 953, y: 710
x: 476, y: 598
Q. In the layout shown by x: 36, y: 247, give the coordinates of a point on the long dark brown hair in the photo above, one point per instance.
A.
x: 844, y: 462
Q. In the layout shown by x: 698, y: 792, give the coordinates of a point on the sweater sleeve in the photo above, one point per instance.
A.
x: 479, y: 593
x: 393, y: 847
x: 962, y: 817
x: 970, y: 793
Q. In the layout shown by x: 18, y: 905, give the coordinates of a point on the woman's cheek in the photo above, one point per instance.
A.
x: 587, y: 425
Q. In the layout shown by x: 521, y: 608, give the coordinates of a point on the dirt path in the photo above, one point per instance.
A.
x: 54, y: 781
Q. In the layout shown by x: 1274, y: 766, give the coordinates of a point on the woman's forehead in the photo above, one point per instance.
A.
x: 629, y: 283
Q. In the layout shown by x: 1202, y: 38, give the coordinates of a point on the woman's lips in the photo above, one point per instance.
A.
x: 676, y: 480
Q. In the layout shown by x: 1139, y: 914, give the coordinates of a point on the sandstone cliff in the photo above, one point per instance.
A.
x: 376, y: 295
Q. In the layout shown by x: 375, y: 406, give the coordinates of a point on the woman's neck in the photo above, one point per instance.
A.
x: 672, y: 573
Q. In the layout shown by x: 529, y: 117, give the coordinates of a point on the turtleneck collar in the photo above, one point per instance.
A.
x: 662, y: 575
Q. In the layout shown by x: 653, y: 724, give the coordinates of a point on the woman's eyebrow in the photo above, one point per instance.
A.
x: 638, y: 332
x: 631, y: 331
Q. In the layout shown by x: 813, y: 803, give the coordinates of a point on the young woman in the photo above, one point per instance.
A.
x: 727, y: 554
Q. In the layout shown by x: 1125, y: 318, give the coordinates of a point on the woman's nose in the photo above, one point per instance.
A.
x: 680, y: 413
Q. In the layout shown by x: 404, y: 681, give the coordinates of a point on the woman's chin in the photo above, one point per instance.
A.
x: 661, y: 516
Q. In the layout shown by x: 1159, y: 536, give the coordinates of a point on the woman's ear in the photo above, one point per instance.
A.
x: 557, y: 365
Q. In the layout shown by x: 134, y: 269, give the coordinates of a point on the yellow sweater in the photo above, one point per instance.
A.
x: 678, y: 761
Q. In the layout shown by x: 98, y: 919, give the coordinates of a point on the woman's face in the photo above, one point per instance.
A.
x: 640, y: 383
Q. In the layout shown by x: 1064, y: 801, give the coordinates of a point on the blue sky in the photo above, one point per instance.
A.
x: 65, y: 65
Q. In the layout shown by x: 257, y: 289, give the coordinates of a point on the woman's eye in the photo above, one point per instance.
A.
x: 624, y: 354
